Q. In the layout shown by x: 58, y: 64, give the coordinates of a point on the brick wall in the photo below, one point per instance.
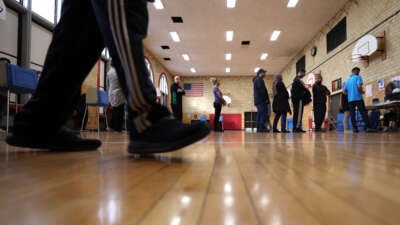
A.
x: 238, y: 88
x: 363, y: 17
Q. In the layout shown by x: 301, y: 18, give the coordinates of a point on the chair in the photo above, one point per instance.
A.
x: 18, y: 80
x: 96, y: 98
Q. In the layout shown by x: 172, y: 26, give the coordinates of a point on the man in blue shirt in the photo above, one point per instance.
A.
x: 353, y: 89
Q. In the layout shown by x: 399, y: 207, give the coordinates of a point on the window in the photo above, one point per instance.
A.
x: 44, y: 8
x: 59, y: 4
x: 148, y: 66
x: 106, y: 53
x: 336, y: 36
x: 301, y: 64
x: 163, y: 86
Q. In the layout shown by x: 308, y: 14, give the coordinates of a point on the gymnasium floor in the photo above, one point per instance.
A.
x: 231, y: 178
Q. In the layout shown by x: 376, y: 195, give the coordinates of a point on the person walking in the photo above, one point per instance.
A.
x: 320, y: 93
x: 219, y: 101
x: 261, y: 100
x: 280, y: 104
x: 176, y: 98
x: 87, y: 27
x: 353, y: 88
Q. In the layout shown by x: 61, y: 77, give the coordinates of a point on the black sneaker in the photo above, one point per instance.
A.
x: 165, y: 135
x: 275, y: 131
x: 299, y: 130
x: 355, y: 130
x: 371, y: 130
x: 63, y: 140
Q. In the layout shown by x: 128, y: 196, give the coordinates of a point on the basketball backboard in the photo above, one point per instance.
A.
x: 366, y: 46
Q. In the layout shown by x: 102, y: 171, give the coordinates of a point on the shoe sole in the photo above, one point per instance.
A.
x: 17, y: 143
x: 139, y: 147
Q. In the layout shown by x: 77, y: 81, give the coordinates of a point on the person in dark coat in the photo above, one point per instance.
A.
x: 176, y: 98
x: 280, y: 104
x: 300, y: 97
x: 261, y: 100
x: 320, y: 92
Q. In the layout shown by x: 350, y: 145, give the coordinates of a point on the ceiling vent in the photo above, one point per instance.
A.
x: 177, y: 19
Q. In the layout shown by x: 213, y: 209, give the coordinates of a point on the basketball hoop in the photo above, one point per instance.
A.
x: 359, y: 57
x: 356, y: 57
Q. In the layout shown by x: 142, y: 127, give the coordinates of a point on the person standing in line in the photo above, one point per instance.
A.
x: 320, y: 92
x: 353, y: 88
x: 117, y: 99
x: 176, y: 98
x: 87, y: 27
x: 280, y: 104
x: 219, y: 101
x: 300, y: 97
x: 261, y: 100
x: 391, y: 94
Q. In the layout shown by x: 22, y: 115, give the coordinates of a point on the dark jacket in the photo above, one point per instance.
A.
x: 281, y: 99
x: 320, y: 92
x: 176, y: 97
x: 344, y: 103
x: 299, y: 91
x: 260, y: 91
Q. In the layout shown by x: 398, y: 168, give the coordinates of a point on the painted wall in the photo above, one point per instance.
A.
x: 363, y: 17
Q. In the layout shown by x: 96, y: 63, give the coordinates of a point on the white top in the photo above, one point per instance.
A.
x: 115, y: 94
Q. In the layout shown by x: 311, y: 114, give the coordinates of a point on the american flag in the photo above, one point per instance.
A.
x: 193, y: 89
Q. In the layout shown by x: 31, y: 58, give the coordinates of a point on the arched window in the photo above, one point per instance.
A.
x: 163, y: 86
x: 148, y: 66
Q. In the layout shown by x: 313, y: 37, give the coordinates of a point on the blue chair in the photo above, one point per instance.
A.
x: 96, y: 98
x: 18, y: 80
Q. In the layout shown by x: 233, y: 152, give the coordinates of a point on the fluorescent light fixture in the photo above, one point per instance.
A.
x: 264, y: 56
x: 229, y: 35
x: 227, y: 70
x: 158, y: 4
x: 175, y: 36
x: 275, y: 35
x: 228, y: 56
x: 230, y: 4
x: 185, y: 57
x: 193, y: 70
x: 256, y: 69
x: 292, y: 3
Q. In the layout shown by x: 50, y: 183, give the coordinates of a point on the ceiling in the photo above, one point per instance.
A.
x: 205, y: 22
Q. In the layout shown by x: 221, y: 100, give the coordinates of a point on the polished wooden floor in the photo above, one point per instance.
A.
x: 231, y: 178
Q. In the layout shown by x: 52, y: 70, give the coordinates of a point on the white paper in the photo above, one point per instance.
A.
x: 368, y: 90
x: 396, y: 78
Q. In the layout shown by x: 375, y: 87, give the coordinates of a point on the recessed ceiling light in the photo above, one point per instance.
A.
x: 175, y: 36
x: 292, y: 3
x: 228, y: 56
x: 256, y: 69
x: 185, y: 57
x: 229, y: 35
x: 275, y: 35
x: 264, y: 56
x: 230, y: 4
x: 227, y: 70
x: 158, y: 4
x: 193, y: 70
